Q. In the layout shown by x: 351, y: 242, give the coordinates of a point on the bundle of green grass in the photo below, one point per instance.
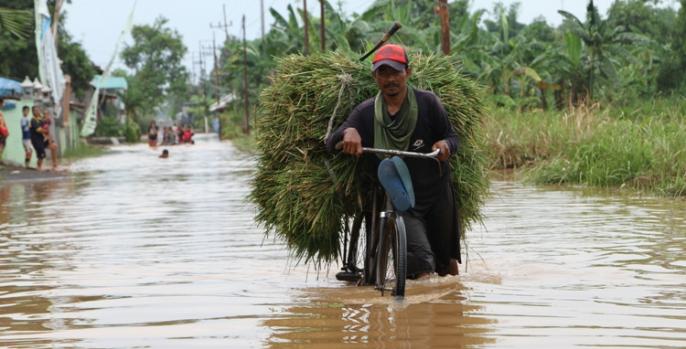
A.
x: 306, y: 195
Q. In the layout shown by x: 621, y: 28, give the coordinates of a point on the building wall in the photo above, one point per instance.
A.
x: 66, y: 136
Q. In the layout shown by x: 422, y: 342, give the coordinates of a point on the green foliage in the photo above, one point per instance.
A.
x: 19, y: 58
x: 679, y: 40
x: 75, y: 63
x: 155, y: 57
x: 83, y: 150
x: 132, y: 132
x: 109, y: 127
x: 16, y: 22
x: 638, y: 146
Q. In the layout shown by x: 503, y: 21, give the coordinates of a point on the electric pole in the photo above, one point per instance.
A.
x: 246, y: 119
x: 201, y: 61
x: 216, y: 67
x: 262, y: 16
x: 445, y: 26
x: 226, y: 25
x: 306, y: 48
x: 322, y: 26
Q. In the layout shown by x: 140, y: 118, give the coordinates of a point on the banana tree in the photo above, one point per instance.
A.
x: 605, y: 46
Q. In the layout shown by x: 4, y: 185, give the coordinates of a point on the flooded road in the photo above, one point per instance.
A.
x: 136, y: 251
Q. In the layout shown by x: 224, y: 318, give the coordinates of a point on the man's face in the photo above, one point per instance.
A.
x: 391, y: 82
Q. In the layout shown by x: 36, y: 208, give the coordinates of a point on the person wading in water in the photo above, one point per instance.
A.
x: 402, y: 117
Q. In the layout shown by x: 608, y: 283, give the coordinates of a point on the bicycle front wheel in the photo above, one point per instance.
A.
x: 391, y: 260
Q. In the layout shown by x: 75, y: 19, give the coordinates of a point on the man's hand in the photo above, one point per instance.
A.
x: 352, y: 142
x: 445, y: 150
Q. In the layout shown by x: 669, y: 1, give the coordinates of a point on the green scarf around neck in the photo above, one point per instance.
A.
x: 395, y: 133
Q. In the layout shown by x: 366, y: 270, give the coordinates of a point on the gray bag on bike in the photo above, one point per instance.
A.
x: 396, y: 180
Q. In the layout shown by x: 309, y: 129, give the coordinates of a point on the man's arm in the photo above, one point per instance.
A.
x: 349, y: 133
x: 447, y: 138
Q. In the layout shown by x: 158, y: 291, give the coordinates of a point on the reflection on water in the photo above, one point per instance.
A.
x: 136, y: 251
x: 434, y: 314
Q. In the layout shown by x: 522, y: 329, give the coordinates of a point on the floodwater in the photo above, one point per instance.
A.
x: 139, y: 252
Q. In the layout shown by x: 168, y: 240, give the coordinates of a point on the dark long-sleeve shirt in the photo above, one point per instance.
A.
x: 432, y: 125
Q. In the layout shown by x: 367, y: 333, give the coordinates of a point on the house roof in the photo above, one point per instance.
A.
x: 110, y: 83
x: 223, y: 102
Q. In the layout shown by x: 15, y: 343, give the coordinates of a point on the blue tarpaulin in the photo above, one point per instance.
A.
x: 9, y: 87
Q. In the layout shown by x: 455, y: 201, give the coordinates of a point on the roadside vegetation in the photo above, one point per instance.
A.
x: 82, y: 151
x: 597, y: 99
x: 639, y: 147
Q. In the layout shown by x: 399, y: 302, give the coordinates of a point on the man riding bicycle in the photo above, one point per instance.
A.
x: 402, y: 117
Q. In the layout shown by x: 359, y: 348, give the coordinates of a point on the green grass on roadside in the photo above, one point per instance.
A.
x: 641, y: 148
x: 231, y: 130
x: 245, y: 143
x: 83, y: 151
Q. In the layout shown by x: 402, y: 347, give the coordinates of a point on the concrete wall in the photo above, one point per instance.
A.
x: 66, y: 136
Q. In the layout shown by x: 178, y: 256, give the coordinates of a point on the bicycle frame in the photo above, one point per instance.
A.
x: 379, y: 219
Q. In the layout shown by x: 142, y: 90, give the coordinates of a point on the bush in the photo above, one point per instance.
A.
x: 109, y: 127
x: 133, y: 132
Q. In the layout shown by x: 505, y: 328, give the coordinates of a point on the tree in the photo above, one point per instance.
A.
x: 75, y: 63
x: 603, y: 44
x: 19, y: 57
x: 16, y: 22
x: 679, y: 38
x: 158, y: 73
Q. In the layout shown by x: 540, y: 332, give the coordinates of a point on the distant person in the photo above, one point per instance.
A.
x: 152, y: 134
x: 37, y: 136
x: 26, y: 135
x: 164, y: 136
x: 187, y: 136
x: 170, y: 136
x: 179, y: 134
x: 49, y: 141
x: 4, y: 132
x: 175, y: 134
x: 165, y: 154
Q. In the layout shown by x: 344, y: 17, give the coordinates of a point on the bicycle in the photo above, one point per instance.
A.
x: 385, y: 262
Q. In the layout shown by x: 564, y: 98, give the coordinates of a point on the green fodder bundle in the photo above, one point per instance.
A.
x: 306, y: 195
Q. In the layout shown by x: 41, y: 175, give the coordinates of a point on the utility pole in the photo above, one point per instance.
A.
x: 322, y: 26
x: 216, y: 67
x: 262, y: 16
x: 226, y: 25
x: 306, y: 48
x: 246, y: 119
x: 445, y: 26
x: 201, y: 61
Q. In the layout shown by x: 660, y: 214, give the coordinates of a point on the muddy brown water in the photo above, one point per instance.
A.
x: 139, y: 252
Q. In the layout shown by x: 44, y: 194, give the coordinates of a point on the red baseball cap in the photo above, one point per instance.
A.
x: 391, y: 55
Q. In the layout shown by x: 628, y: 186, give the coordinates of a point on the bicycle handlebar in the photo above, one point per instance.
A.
x: 412, y: 154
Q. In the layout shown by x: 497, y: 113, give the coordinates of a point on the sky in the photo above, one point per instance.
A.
x: 98, y: 23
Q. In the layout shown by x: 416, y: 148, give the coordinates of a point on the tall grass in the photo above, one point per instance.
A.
x: 641, y: 147
x: 82, y: 151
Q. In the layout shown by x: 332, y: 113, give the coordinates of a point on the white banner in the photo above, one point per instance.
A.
x: 49, y: 63
x: 91, y: 121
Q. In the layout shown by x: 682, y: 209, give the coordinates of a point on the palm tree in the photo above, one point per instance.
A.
x: 16, y: 22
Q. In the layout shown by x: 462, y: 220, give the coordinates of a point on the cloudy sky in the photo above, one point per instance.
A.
x: 97, y: 23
